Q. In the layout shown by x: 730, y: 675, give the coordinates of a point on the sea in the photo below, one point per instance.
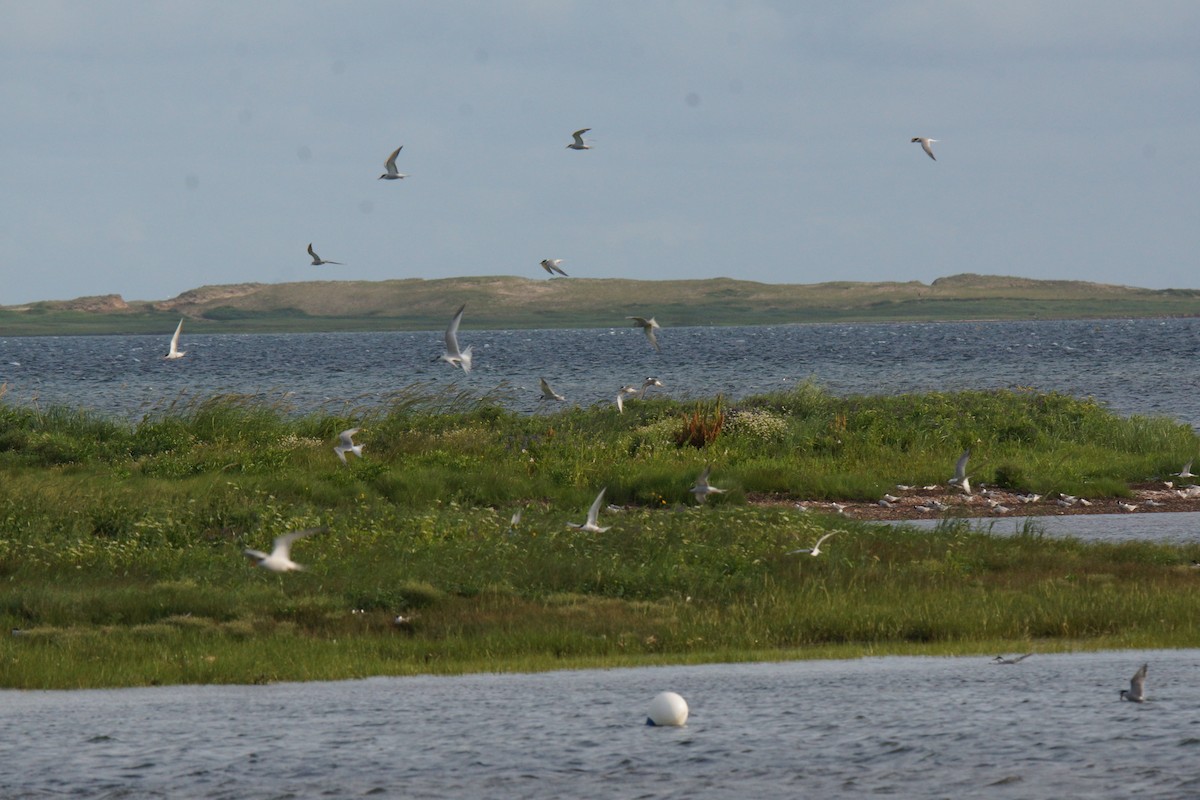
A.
x: 1052, y: 726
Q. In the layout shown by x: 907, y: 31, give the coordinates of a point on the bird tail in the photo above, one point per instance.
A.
x: 466, y: 359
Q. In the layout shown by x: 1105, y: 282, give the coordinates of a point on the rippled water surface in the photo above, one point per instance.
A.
x: 1136, y: 366
x: 1050, y: 727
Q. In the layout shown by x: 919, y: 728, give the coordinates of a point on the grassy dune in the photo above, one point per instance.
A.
x: 120, y: 545
x: 505, y: 302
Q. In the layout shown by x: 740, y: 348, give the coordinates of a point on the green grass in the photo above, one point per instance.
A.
x: 120, y: 545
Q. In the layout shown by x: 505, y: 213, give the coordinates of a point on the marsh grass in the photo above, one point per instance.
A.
x: 120, y: 544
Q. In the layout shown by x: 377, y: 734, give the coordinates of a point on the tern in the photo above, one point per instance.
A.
x: 280, y: 558
x: 579, y: 144
x: 175, y: 352
x: 1130, y: 507
x: 516, y: 518
x: 960, y: 473
x: 648, y: 384
x: 621, y: 394
x: 1186, y: 472
x: 815, y: 550
x: 392, y: 173
x: 1136, y: 693
x: 453, y: 356
x: 346, y: 444
x: 593, y: 513
x: 548, y: 393
x: 925, y: 142
x: 1016, y: 660
x: 318, y: 261
x: 551, y: 266
x: 647, y: 325
x: 702, y: 489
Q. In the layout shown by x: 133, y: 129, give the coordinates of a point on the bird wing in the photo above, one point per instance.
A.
x: 620, y: 402
x: 283, y: 544
x: 578, y: 135
x: 638, y: 322
x: 452, y: 332
x: 650, y: 335
x: 594, y: 511
x: 821, y: 541
x: 312, y: 253
x: 175, y: 338
x: 960, y: 469
x: 554, y: 265
x: 547, y: 391
x: 390, y: 164
x: 925, y: 146
x: 347, y: 435
x: 1138, y: 682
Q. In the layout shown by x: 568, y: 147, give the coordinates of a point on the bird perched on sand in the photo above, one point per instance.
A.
x: 925, y: 142
x: 1136, y: 693
x: 1016, y: 660
x: 280, y: 557
x: 317, y: 260
x: 175, y: 352
x: 960, y: 473
x: 703, y: 489
x: 551, y: 266
x: 648, y: 326
x: 579, y: 144
x: 591, y: 525
x: 548, y: 393
x: 346, y: 444
x: 392, y: 173
x: 815, y: 550
x: 453, y: 356
x: 1130, y: 507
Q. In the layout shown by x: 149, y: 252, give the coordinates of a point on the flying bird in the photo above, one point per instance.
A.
x: 703, y: 489
x: 346, y: 444
x: 1015, y: 660
x: 591, y: 526
x: 548, y: 393
x: 621, y: 394
x: 453, y: 356
x: 579, y: 144
x: 175, y: 352
x: 1136, y: 693
x: 1186, y: 472
x: 317, y: 260
x: 551, y: 266
x: 280, y: 557
x: 647, y: 325
x: 960, y: 478
x: 925, y: 142
x: 392, y: 173
x: 815, y: 550
x: 648, y: 384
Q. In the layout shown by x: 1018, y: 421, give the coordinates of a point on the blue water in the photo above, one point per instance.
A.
x: 1050, y: 727
x: 1134, y: 366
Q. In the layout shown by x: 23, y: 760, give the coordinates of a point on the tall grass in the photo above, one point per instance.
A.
x: 120, y: 543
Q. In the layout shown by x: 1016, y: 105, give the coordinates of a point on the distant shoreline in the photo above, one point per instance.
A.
x: 517, y: 303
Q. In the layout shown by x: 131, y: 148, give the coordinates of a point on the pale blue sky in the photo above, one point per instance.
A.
x: 149, y: 148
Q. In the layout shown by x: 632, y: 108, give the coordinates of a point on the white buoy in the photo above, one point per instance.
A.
x: 668, y: 709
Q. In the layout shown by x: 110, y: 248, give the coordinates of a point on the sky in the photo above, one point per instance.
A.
x: 149, y: 148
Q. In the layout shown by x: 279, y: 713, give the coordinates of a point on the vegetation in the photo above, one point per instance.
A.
x: 120, y: 544
x: 511, y: 302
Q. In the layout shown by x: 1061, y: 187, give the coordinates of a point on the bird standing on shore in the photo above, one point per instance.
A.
x: 280, y: 557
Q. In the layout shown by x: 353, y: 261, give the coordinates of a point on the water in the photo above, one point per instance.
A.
x: 1050, y: 727
x: 1175, y: 528
x: 1135, y: 366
